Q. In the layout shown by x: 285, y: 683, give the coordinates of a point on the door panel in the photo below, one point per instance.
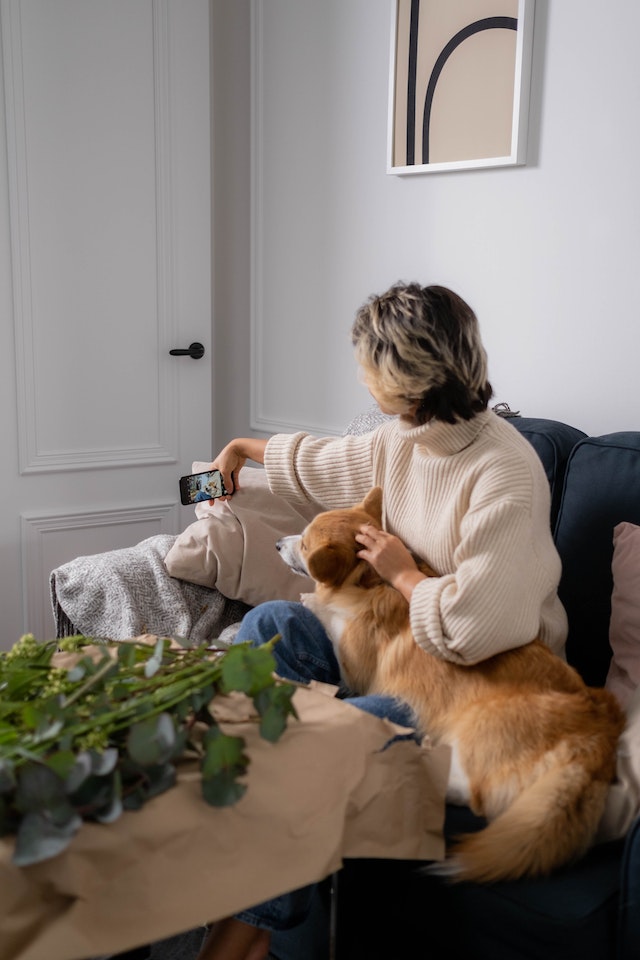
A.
x: 108, y: 176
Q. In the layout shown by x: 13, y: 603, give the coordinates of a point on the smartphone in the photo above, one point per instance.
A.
x: 201, y: 486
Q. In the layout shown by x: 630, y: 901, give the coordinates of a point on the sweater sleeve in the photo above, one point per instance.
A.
x: 504, y: 577
x: 334, y: 472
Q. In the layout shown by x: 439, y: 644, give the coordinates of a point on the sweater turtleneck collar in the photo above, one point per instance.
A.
x: 444, y: 439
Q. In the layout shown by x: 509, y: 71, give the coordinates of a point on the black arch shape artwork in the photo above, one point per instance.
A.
x: 488, y: 23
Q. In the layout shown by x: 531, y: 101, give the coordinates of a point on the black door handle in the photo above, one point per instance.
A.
x: 196, y: 350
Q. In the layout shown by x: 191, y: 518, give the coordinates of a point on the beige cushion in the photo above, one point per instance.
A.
x: 232, y: 544
x: 624, y: 628
x: 623, y: 800
x: 623, y: 679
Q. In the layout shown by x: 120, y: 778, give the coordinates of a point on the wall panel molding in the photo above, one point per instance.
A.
x: 48, y: 541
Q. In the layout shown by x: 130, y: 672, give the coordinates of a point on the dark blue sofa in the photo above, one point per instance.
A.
x: 389, y: 910
x: 590, y: 910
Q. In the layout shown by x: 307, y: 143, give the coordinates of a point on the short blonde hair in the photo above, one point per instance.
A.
x: 422, y: 344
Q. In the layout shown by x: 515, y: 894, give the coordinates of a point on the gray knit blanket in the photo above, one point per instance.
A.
x: 124, y: 593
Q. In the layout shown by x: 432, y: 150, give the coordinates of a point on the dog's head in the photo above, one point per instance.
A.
x: 327, y: 549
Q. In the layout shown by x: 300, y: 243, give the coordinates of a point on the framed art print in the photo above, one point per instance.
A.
x: 459, y: 84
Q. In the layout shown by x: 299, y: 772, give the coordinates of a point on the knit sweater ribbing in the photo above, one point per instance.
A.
x: 472, y: 500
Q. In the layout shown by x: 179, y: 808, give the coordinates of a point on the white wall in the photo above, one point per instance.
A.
x: 231, y: 168
x: 547, y: 254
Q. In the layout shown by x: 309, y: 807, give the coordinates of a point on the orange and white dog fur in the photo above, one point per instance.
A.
x: 533, y: 748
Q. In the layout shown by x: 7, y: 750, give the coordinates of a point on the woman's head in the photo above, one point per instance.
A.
x: 421, y: 353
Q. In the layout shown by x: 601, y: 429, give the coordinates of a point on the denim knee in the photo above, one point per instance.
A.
x: 263, y: 622
x: 280, y: 913
x: 303, y: 652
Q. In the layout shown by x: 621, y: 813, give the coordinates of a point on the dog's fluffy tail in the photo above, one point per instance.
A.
x: 552, y: 822
x: 553, y: 819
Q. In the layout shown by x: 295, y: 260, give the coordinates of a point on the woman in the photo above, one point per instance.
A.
x: 462, y: 490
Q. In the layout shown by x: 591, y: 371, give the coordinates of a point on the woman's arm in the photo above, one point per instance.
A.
x: 501, y: 594
x: 233, y: 457
x: 332, y: 471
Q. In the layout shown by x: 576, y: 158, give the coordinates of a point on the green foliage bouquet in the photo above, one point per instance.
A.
x: 90, y: 728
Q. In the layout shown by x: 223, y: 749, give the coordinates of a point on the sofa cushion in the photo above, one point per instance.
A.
x: 623, y: 799
x: 601, y: 486
x: 624, y: 626
x: 569, y: 916
x: 232, y: 544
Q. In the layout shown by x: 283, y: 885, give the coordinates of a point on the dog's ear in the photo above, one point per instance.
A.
x: 372, y: 504
x: 331, y: 563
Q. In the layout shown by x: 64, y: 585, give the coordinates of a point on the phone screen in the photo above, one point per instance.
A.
x: 201, y: 486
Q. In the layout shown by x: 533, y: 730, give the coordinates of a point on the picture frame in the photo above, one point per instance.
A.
x: 460, y: 74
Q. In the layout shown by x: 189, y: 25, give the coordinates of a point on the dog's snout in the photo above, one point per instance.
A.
x: 287, y: 547
x: 286, y: 542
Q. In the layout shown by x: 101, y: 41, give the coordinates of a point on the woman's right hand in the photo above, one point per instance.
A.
x: 233, y: 457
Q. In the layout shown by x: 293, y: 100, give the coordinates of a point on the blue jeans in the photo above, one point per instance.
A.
x: 304, y: 652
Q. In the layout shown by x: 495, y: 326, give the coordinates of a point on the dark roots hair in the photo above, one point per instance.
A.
x: 422, y: 347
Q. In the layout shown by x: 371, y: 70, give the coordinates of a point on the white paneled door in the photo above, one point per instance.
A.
x: 105, y: 266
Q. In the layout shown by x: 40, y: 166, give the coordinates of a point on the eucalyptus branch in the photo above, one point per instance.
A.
x: 86, y: 741
x: 93, y: 681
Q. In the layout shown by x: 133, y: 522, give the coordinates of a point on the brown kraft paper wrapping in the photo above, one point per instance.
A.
x: 324, y: 792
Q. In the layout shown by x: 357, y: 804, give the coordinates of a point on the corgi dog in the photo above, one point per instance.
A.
x: 533, y: 748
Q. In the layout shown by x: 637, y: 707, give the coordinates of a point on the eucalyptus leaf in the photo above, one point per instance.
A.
x: 39, y: 788
x: 31, y: 716
x: 93, y: 794
x: 223, y: 753
x: 104, y: 762
x: 62, y: 762
x: 104, y: 736
x: 79, y: 772
x: 48, y: 728
x: 107, y: 805
x: 201, y: 698
x: 247, y: 668
x: 127, y: 654
x: 152, y: 741
x: 222, y: 789
x: 40, y: 837
x: 26, y: 754
x: 159, y: 779
x: 110, y: 813
x: 19, y: 682
x: 274, y: 704
x: 185, y: 642
x: 154, y: 663
x: 76, y: 673
x: 122, y: 690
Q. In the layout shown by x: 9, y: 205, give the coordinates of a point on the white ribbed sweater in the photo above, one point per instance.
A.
x: 472, y: 500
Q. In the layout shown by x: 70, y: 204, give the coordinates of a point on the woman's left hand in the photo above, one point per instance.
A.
x: 390, y: 558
